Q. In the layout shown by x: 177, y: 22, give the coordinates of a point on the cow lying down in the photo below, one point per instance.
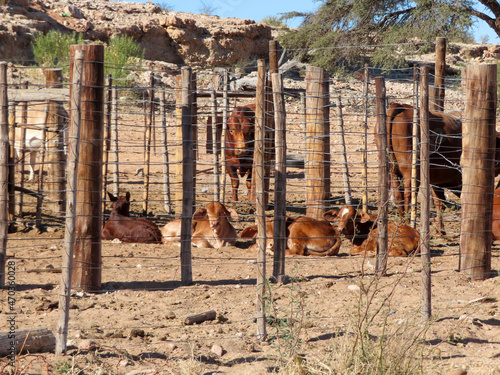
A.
x: 306, y: 236
x: 127, y: 229
x: 360, y: 228
x: 210, y: 227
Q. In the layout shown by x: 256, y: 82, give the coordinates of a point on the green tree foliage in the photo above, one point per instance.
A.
x: 52, y: 49
x: 119, y: 56
x: 343, y: 33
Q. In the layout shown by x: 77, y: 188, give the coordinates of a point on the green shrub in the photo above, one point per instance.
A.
x: 52, y: 49
x: 119, y: 56
x: 273, y: 21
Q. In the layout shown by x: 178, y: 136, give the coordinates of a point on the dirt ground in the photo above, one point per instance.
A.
x: 332, y: 316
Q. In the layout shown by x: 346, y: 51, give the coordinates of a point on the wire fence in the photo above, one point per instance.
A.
x: 142, y: 154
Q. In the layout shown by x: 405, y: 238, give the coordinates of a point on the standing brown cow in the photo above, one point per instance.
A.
x: 239, y: 146
x: 444, y: 159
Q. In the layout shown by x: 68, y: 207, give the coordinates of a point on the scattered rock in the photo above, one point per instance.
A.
x: 87, y: 345
x: 137, y: 332
x: 217, y: 350
x: 458, y: 372
x: 170, y: 315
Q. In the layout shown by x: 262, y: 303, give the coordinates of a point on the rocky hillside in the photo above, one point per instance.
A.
x: 173, y: 37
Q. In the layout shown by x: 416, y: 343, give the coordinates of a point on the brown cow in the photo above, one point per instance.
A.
x: 360, y: 228
x: 239, y: 146
x: 127, y: 229
x: 306, y: 236
x: 444, y: 159
x: 210, y: 227
x: 309, y: 236
x: 496, y: 215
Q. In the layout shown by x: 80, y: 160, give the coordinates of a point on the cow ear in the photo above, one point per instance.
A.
x: 233, y: 214
x: 112, y: 198
x: 365, y: 217
x: 249, y: 232
x: 289, y: 220
x: 331, y: 215
x: 200, y: 214
x: 127, y: 196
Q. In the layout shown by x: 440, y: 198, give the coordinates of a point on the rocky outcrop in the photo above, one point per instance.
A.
x: 173, y: 37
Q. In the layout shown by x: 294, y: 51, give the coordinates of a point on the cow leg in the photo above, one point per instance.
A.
x: 438, y: 197
x: 249, y: 183
x: 235, y: 181
x: 31, y: 165
x: 398, y: 194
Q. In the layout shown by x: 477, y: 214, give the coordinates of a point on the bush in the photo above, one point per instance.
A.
x: 119, y: 56
x: 52, y: 49
x: 273, y: 21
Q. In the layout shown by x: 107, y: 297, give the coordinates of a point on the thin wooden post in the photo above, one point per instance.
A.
x: 178, y: 156
x: 425, y: 253
x: 55, y: 146
x: 225, y: 113
x: 317, y: 142
x: 383, y: 181
x: 414, y: 154
x: 303, y: 107
x: 87, y: 269
x: 4, y: 169
x: 364, y: 154
x: 114, y: 141
x: 345, y: 167
x: 41, y: 157
x: 147, y: 140
x: 258, y: 177
x: 69, y: 233
x: 22, y: 154
x: 193, y: 97
x: 280, y: 179
x: 187, y: 175
x: 107, y: 140
x: 12, y: 170
x: 439, y: 87
x: 478, y: 158
x: 215, y: 146
x: 167, y: 196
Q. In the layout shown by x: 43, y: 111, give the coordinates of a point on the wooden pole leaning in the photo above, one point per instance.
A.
x: 478, y: 160
x: 383, y: 181
x: 258, y: 177
x: 4, y: 170
x: 187, y: 175
x: 437, y: 102
x: 280, y: 179
x: 345, y: 166
x: 425, y: 253
x: 87, y: 266
x: 71, y: 202
x: 364, y: 154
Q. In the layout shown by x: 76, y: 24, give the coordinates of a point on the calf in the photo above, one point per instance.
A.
x: 210, y: 227
x: 239, y: 146
x: 360, y: 228
x: 306, y: 236
x: 127, y: 229
x: 309, y: 236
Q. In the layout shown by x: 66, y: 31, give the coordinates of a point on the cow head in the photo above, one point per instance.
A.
x: 121, y: 203
x: 217, y: 215
x: 241, y: 130
x: 348, y: 217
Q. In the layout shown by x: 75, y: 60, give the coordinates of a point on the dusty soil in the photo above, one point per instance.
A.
x: 136, y: 323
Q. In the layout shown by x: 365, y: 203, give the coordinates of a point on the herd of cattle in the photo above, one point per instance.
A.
x: 211, y: 225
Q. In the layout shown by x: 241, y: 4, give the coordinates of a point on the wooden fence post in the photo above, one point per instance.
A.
x: 478, y: 158
x: 258, y: 177
x: 55, y: 147
x: 187, y: 175
x: 4, y: 169
x: 107, y: 140
x: 414, y: 153
x: 280, y: 179
x: 22, y: 153
x: 69, y: 233
x: 425, y: 190
x: 87, y: 269
x: 149, y: 113
x: 317, y: 142
x: 114, y: 140
x: 364, y: 154
x: 345, y: 166
x: 383, y: 183
x: 439, y: 88
x: 167, y: 197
